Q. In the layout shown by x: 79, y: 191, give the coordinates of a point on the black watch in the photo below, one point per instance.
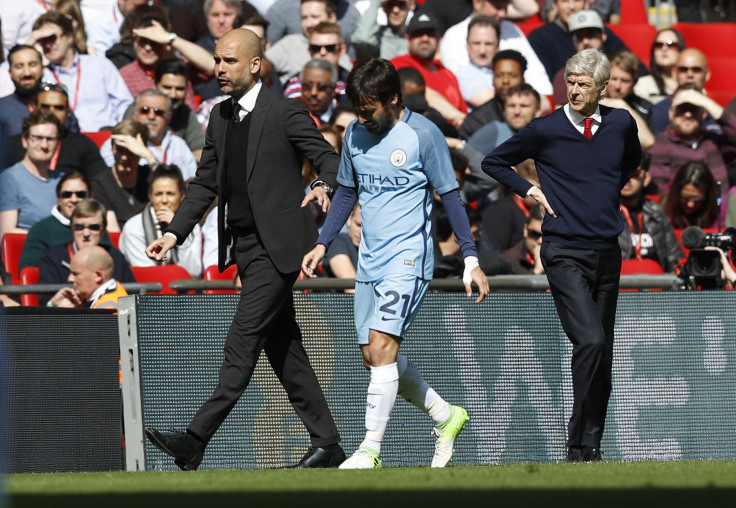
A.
x: 326, y: 186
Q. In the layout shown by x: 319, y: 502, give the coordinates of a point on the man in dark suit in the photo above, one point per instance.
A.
x: 585, y: 154
x: 252, y: 162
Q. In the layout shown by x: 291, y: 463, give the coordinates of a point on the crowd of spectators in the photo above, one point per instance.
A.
x: 142, y: 71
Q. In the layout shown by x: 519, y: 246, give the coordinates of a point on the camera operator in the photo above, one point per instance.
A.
x: 707, y: 265
x: 728, y: 274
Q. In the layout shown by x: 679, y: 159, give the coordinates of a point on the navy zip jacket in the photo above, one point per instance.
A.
x: 581, y: 178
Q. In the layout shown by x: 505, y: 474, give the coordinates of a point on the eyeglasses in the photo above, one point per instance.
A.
x: 401, y: 4
x: 67, y: 194
x: 91, y: 227
x: 667, y: 44
x: 57, y: 107
x: 696, y: 70
x: 321, y: 87
x: 534, y: 234
x: 145, y: 110
x: 52, y: 87
x: 316, y: 48
x: 694, y: 199
x: 37, y: 139
x: 49, y: 40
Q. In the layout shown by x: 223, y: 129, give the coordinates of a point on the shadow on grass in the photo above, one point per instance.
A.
x: 405, y: 498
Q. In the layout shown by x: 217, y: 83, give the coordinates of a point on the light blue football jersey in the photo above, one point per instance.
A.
x: 394, y: 174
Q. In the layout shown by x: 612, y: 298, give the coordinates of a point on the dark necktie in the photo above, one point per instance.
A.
x: 236, y: 112
x: 587, y: 132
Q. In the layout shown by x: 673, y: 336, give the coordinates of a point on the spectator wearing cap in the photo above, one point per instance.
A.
x: 686, y: 140
x: 553, y: 42
x: 443, y: 90
x: 386, y: 41
x: 454, y: 51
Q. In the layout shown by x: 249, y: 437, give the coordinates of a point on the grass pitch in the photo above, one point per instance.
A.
x: 691, y: 483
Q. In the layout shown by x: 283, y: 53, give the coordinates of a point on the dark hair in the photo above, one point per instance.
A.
x: 646, y: 160
x: 171, y: 171
x: 411, y: 75
x: 339, y: 110
x: 373, y: 79
x: 535, y: 213
x: 140, y: 12
x: 50, y: 86
x: 38, y: 117
x: 73, y: 175
x: 254, y: 18
x: 459, y: 162
x: 524, y: 89
x: 485, y: 21
x: 330, y: 5
x: 61, y: 20
x: 175, y: 66
x: 654, y: 69
x: 21, y: 47
x: 699, y: 175
x: 89, y: 207
x: 510, y: 54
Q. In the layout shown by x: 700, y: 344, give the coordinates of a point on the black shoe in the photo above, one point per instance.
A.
x: 328, y: 456
x: 186, y: 449
x: 584, y: 454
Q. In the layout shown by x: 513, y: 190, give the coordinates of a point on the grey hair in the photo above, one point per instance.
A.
x: 324, y: 65
x: 155, y: 91
x: 235, y: 4
x: 592, y: 62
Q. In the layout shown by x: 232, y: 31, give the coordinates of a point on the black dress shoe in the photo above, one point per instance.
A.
x: 186, y: 449
x: 583, y: 454
x: 328, y: 456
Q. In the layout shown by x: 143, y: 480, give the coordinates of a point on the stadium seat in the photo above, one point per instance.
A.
x: 710, y: 38
x: 164, y: 274
x: 12, y: 247
x: 29, y: 275
x: 721, y: 86
x: 638, y: 38
x: 530, y: 24
x: 213, y: 273
x: 98, y: 137
x: 633, y: 12
x: 114, y: 238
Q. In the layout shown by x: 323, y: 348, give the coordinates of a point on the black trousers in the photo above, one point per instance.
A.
x: 584, y: 285
x: 265, y: 320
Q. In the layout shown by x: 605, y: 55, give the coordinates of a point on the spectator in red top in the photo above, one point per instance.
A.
x: 422, y: 36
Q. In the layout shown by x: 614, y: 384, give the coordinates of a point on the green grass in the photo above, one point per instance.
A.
x: 692, y: 483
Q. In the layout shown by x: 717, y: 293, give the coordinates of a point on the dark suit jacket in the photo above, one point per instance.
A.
x: 281, y: 134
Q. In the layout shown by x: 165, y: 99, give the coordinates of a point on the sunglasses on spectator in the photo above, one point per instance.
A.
x: 37, y: 139
x: 52, y: 87
x: 321, y: 87
x: 694, y: 199
x: 668, y: 44
x: 48, y: 40
x: 696, y: 70
x: 401, y: 4
x: 534, y: 234
x: 57, y: 107
x: 145, y: 110
x: 316, y: 48
x: 81, y: 194
x: 91, y: 227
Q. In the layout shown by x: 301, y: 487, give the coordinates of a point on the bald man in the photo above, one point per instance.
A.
x: 252, y: 163
x: 93, y: 285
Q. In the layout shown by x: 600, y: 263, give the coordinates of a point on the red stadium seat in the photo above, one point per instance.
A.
x: 164, y: 274
x: 530, y: 24
x: 12, y: 247
x: 721, y: 86
x: 213, y: 273
x: 29, y: 275
x: 634, y: 11
x: 710, y: 38
x: 637, y: 37
x: 98, y: 137
x: 114, y: 238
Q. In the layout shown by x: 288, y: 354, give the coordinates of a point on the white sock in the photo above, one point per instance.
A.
x: 417, y: 391
x: 380, y: 401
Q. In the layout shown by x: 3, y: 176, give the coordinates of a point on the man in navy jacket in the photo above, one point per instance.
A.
x: 584, y: 153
